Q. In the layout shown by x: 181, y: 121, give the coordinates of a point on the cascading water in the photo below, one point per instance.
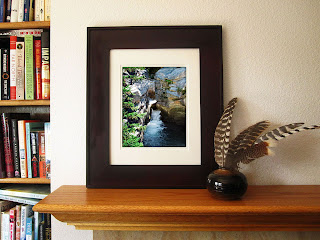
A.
x: 160, y: 134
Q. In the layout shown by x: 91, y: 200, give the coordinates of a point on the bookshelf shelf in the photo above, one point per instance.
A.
x: 263, y: 208
x: 25, y: 25
x: 25, y: 180
x: 17, y: 103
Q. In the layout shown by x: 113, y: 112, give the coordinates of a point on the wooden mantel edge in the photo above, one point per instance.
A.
x: 285, y: 208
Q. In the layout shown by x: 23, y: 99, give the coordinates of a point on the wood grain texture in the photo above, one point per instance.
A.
x: 263, y: 208
x: 135, y: 235
x: 24, y: 102
x: 24, y: 25
x: 25, y: 180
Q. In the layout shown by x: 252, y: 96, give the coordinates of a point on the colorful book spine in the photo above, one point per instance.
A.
x: 34, y: 154
x: 22, y: 148
x: 13, y: 66
x: 5, y: 77
x: 29, y: 77
x: 29, y: 227
x: 45, y: 36
x: 26, y: 211
x: 5, y: 221
x: 31, y: 11
x: 2, y: 10
x: 15, y: 147
x: 14, y: 10
x: 7, y: 145
x: 47, y: 133
x: 21, y: 11
x: 18, y: 221
x: 26, y: 10
x: 47, y: 11
x: 42, y: 155
x: 28, y: 150
x: 12, y: 224
x: 20, y: 70
x: 8, y: 11
x: 38, y: 60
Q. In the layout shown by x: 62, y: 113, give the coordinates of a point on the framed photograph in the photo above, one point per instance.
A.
x: 154, y: 98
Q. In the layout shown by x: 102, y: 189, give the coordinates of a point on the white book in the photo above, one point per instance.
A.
x: 37, y: 220
x: 22, y: 148
x: 30, y: 201
x: 14, y: 11
x: 42, y: 10
x: 20, y: 70
x: 26, y: 211
x: 26, y: 191
x: 5, y: 220
x: 20, y: 10
x: 47, y: 10
x: 37, y: 10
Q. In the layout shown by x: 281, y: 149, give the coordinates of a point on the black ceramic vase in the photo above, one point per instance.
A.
x: 227, y: 184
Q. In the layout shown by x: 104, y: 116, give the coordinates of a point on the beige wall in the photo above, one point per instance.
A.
x: 271, y: 54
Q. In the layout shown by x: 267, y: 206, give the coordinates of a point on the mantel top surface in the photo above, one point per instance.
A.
x: 258, y: 199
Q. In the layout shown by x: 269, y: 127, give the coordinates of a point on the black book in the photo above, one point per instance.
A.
x: 15, y: 148
x: 5, y: 74
x: 42, y: 235
x: 34, y: 154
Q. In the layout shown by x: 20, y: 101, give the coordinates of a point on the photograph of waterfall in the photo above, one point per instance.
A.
x: 154, y: 106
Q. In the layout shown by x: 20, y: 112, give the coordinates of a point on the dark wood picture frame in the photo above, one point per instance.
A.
x: 100, y: 174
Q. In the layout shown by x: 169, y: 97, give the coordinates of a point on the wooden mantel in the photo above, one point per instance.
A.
x: 263, y: 208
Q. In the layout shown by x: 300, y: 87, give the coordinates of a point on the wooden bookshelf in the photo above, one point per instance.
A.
x: 263, y: 208
x: 25, y: 180
x: 25, y: 25
x: 16, y: 103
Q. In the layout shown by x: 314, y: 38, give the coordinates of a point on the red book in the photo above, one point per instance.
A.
x: 38, y: 60
x: 13, y: 66
x: 12, y: 224
x: 42, y: 155
x: 8, y: 156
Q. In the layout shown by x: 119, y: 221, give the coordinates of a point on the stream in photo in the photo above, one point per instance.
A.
x: 160, y: 134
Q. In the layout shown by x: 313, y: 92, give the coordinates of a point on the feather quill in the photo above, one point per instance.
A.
x: 222, y: 133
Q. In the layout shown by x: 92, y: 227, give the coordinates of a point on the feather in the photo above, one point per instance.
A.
x: 244, y: 140
x: 279, y: 132
x: 274, y: 134
x: 247, y: 137
x: 256, y: 151
x: 222, y: 133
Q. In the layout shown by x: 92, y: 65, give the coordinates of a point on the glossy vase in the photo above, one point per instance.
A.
x: 227, y: 184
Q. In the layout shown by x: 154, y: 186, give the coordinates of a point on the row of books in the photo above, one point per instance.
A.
x: 25, y: 149
x: 25, y: 64
x: 24, y: 10
x: 19, y: 222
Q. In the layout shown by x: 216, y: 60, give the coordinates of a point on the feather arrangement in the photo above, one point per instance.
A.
x: 249, y: 144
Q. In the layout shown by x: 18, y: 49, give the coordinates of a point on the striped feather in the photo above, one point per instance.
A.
x: 222, y: 133
x: 247, y: 137
x: 284, y: 131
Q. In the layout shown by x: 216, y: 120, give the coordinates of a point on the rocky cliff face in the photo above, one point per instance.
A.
x: 170, y: 93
